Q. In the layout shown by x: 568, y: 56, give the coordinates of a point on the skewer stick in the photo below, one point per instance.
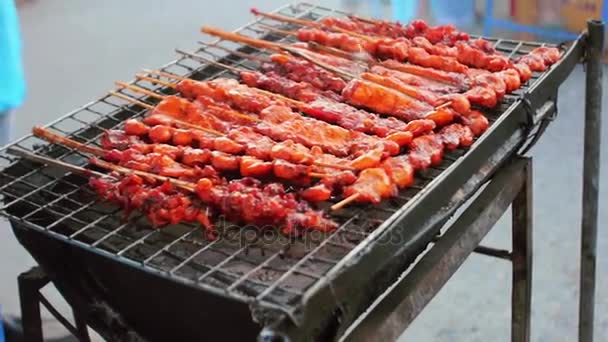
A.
x: 239, y: 37
x: 140, y: 90
x: 156, y: 81
x: 186, y: 124
x: 132, y: 100
x: 235, y: 52
x: 443, y: 105
x: 362, y: 59
x: 55, y: 138
x: 309, y: 23
x: 235, y: 113
x: 277, y: 30
x: 210, y: 61
x: 164, y: 74
x: 120, y: 169
x: 17, y: 151
x: 364, y: 19
x: 345, y: 201
x: 334, y: 166
x: 286, y: 19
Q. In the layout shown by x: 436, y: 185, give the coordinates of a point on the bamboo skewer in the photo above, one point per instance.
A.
x: 123, y: 170
x: 251, y: 41
x: 164, y: 74
x: 235, y: 52
x: 209, y: 60
x: 277, y: 30
x: 17, y: 151
x: 132, y: 100
x: 367, y: 20
x: 312, y: 24
x: 156, y: 81
x: 47, y: 135
x: 140, y: 90
x: 345, y: 202
x: 291, y: 20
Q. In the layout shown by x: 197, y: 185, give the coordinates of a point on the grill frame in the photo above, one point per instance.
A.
x: 502, y: 139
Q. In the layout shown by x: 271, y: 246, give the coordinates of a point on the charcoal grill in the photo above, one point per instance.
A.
x: 130, y: 281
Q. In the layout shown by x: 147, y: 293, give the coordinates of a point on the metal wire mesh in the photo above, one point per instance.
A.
x: 248, y: 265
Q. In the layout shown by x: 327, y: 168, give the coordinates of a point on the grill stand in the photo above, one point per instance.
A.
x: 591, y: 172
x: 30, y: 284
x: 537, y: 97
x: 394, y: 312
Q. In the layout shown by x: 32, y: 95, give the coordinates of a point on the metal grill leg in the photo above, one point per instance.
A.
x: 593, y: 113
x: 521, y: 297
x: 30, y: 283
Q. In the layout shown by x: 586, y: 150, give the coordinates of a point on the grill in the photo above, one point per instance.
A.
x: 132, y: 275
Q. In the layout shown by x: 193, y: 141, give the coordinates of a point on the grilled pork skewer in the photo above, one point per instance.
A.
x: 377, y: 28
x: 510, y: 76
x: 318, y: 106
x: 376, y: 183
x: 214, y: 192
x: 416, y: 48
x: 483, y: 89
x: 395, y: 103
x: 176, y: 111
x: 272, y: 116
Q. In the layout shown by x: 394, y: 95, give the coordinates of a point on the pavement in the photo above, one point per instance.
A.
x: 75, y: 50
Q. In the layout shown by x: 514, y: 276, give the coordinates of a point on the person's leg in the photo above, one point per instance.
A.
x: 6, y: 123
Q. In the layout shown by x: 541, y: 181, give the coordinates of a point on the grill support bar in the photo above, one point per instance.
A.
x: 30, y: 297
x: 591, y: 166
x: 401, y: 304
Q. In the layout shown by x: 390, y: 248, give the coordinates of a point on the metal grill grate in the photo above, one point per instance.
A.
x: 270, y: 269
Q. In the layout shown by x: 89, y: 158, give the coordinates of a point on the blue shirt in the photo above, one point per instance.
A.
x: 12, y: 81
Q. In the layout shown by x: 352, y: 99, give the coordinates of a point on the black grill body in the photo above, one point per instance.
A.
x: 129, y: 279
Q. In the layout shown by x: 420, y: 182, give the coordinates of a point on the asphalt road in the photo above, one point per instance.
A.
x: 75, y: 50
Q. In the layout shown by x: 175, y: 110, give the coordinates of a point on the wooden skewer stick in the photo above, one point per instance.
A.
x: 140, y: 90
x: 17, y: 151
x: 210, y: 61
x: 123, y: 170
x: 53, y: 137
x: 345, y: 201
x: 156, y: 81
x: 283, y: 18
x: 309, y: 23
x: 362, y: 59
x: 132, y: 100
x: 235, y: 52
x: 277, y: 30
x: 164, y: 74
x: 367, y: 20
x: 235, y: 36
